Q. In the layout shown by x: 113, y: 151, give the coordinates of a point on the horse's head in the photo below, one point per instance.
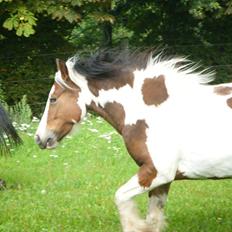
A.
x: 62, y: 110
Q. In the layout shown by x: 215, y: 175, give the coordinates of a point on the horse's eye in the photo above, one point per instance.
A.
x: 52, y: 100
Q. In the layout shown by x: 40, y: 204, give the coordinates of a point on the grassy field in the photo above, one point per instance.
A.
x: 72, y: 188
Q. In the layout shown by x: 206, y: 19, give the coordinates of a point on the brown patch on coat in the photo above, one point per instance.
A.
x: 154, y: 90
x: 112, y: 112
x: 146, y: 174
x: 180, y: 176
x: 95, y: 85
x: 229, y: 102
x: 223, y: 90
x: 135, y: 140
x: 116, y: 113
x: 159, y: 191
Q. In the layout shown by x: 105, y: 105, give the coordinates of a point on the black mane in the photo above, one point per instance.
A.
x: 109, y: 63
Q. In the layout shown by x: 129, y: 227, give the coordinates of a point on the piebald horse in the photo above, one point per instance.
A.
x: 174, y: 124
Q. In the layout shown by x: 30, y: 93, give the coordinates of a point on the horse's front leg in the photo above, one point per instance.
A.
x: 139, y: 140
x: 130, y: 220
x: 157, y: 200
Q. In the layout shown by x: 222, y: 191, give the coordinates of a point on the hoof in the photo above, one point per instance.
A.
x: 141, y: 226
x: 157, y: 226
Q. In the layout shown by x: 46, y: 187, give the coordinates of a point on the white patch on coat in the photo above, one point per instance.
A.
x: 85, y: 95
x: 42, y: 130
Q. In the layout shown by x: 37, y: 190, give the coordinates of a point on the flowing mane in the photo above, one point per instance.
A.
x: 109, y: 63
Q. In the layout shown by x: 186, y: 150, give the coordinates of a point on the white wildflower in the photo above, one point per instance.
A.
x: 34, y: 119
x: 107, y: 136
x: 89, y: 122
x: 54, y: 156
x: 43, y: 191
x: 115, y: 148
x: 25, y: 125
x: 93, y: 130
x: 99, y: 120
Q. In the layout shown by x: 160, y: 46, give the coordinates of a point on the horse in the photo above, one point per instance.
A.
x: 8, y: 137
x: 174, y: 122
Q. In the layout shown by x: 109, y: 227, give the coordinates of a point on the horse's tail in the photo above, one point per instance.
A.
x: 8, y: 135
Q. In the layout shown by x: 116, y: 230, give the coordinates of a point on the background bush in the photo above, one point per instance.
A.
x: 34, y: 33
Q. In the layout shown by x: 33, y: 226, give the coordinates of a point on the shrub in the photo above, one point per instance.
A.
x: 20, y: 112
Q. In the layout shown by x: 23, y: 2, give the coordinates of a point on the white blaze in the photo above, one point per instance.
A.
x: 42, y: 128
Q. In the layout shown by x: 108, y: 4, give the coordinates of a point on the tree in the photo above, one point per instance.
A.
x: 22, y: 16
x: 34, y: 33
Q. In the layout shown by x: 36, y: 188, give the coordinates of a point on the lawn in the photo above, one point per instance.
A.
x: 72, y: 188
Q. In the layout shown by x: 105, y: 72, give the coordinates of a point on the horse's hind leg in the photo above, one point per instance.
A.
x: 157, y: 200
x: 131, y: 222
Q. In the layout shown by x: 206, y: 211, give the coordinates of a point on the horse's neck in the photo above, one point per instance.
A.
x: 109, y: 97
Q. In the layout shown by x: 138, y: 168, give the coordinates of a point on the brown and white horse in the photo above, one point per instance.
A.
x: 174, y: 124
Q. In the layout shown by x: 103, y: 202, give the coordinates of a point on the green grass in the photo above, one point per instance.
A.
x: 72, y: 188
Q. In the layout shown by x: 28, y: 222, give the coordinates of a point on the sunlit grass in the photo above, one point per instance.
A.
x: 72, y: 188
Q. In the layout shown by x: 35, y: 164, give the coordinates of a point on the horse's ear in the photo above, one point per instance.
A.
x: 61, y: 66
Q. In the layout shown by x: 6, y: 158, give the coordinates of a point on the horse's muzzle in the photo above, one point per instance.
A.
x: 47, y: 143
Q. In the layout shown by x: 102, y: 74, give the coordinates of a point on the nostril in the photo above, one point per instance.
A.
x: 37, y: 139
x: 50, y: 142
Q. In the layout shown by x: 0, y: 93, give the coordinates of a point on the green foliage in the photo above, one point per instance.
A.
x: 22, y: 16
x: 102, y: 17
x: 62, y: 12
x: 5, y: 1
x: 27, y: 65
x: 88, y: 36
x: 20, y: 112
x: 200, y: 8
x: 28, y: 79
x: 229, y: 8
x: 22, y: 21
x: 2, y: 95
x: 80, y: 35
